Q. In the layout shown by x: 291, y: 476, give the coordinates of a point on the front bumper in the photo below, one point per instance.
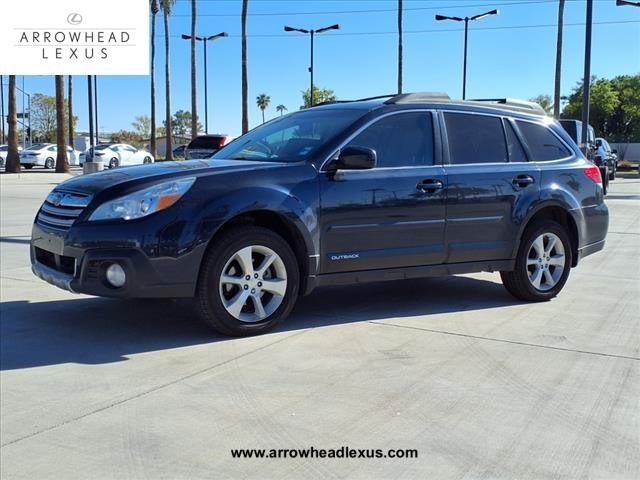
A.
x: 80, y: 267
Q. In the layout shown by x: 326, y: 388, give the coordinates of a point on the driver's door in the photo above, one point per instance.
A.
x: 394, y: 214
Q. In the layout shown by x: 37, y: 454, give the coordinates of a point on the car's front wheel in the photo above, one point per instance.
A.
x: 113, y: 163
x: 147, y: 160
x: 49, y: 163
x: 248, y: 281
x: 542, y: 265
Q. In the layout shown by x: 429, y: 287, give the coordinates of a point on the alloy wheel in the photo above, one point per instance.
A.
x: 546, y: 261
x: 253, y: 283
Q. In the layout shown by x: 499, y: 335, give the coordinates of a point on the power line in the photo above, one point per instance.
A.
x: 377, y: 10
x: 439, y: 30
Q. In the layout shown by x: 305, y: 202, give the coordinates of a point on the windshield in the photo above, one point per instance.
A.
x: 291, y: 138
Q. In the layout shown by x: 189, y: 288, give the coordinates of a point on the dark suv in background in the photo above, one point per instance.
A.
x: 397, y: 187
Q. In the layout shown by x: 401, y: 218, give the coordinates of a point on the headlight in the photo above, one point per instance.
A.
x: 144, y: 202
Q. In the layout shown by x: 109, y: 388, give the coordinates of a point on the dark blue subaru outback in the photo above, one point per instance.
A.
x: 389, y: 188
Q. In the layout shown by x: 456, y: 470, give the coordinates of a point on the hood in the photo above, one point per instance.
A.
x: 156, y: 172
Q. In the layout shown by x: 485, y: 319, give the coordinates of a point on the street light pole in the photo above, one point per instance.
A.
x: 586, y: 82
x: 466, y: 35
x: 622, y: 3
x: 206, y: 81
x: 311, y: 34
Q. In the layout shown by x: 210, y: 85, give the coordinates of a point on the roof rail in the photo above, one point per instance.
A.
x: 418, y: 97
x: 513, y: 104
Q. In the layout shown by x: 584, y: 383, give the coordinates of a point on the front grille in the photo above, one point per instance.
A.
x: 60, y: 263
x: 61, y: 209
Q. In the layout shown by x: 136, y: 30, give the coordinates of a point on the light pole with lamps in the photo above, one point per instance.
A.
x: 622, y: 3
x: 205, y: 40
x: 466, y: 33
x: 311, y: 34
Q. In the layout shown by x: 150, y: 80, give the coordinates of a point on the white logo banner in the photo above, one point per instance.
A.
x: 74, y: 37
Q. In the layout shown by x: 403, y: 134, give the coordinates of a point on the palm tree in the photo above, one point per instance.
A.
x: 245, y: 85
x: 152, y: 141
x: 263, y: 101
x: 13, y: 158
x: 556, y: 91
x: 281, y: 108
x: 194, y: 103
x: 62, y: 162
x: 167, y: 5
x: 70, y: 107
x: 399, y: 46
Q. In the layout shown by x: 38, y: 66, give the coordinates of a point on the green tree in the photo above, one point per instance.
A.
x: 263, y: 101
x: 142, y: 126
x: 545, y: 102
x: 281, y: 108
x: 127, y: 136
x: 44, y: 117
x: 604, y: 101
x: 624, y: 122
x: 319, y: 95
x: 181, y: 123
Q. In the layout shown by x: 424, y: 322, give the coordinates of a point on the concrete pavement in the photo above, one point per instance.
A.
x: 480, y: 384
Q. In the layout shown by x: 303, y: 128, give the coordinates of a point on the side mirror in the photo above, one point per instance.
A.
x: 598, y: 143
x: 356, y: 158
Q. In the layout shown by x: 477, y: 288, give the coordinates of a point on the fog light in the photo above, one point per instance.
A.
x: 116, y: 275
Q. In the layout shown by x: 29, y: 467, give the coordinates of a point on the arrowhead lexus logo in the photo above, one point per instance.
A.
x: 75, y: 37
x: 74, y: 19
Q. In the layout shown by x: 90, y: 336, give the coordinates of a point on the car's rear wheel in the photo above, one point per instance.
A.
x: 29, y: 166
x: 612, y: 174
x: 542, y: 264
x: 49, y: 163
x: 248, y: 281
x: 113, y: 163
x: 147, y: 160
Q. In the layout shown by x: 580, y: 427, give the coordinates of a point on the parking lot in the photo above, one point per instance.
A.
x: 481, y: 385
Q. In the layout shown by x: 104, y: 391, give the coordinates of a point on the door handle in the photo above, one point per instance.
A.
x: 523, y: 180
x: 430, y: 185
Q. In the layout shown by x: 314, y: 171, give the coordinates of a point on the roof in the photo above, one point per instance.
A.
x: 437, y: 100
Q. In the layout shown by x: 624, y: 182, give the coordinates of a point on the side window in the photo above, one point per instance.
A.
x: 400, y: 140
x: 52, y: 149
x: 475, y: 139
x: 516, y: 152
x: 543, y: 144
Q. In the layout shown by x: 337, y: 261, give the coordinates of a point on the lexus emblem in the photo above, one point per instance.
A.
x: 74, y: 19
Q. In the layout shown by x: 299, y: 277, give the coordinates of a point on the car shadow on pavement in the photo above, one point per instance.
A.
x: 100, y: 330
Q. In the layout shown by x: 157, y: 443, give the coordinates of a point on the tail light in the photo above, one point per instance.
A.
x: 593, y: 172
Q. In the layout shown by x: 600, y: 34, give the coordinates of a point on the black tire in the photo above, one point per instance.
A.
x: 208, y: 301
x: 113, y: 163
x: 147, y: 160
x: 605, y: 181
x: 49, y: 163
x: 28, y: 166
x: 517, y: 281
x: 612, y: 175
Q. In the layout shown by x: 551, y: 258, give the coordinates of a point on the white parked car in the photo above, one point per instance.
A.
x: 4, y: 149
x: 44, y: 155
x: 119, y: 154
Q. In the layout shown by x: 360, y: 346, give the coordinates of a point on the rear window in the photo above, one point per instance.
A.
x: 207, y: 143
x: 475, y: 139
x: 543, y: 144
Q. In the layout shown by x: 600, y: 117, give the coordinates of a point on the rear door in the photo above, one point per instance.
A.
x: 490, y: 185
x: 392, y: 215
